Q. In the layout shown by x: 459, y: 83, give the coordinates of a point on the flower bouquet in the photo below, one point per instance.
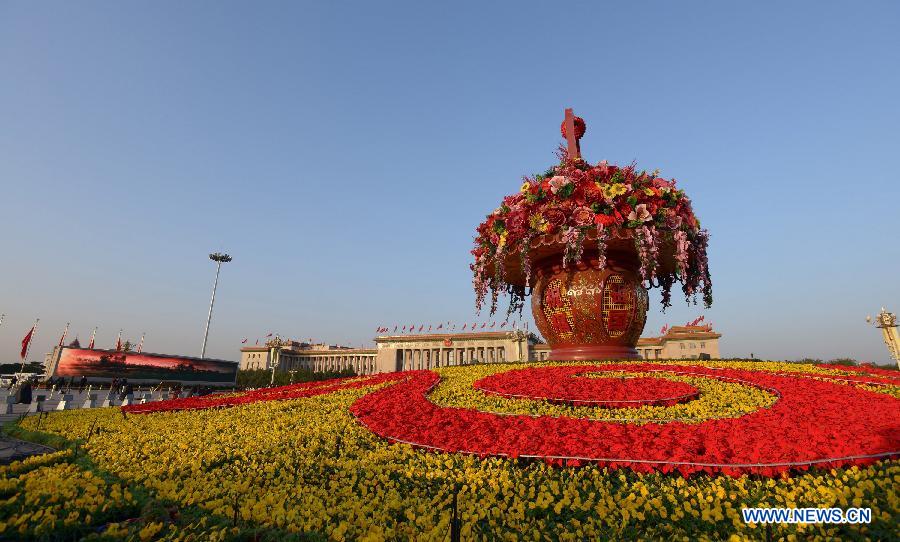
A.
x: 587, y: 240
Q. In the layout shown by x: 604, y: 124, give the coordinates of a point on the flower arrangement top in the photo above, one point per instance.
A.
x: 576, y: 205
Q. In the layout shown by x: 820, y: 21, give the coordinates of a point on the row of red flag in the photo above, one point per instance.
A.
x: 448, y: 326
x: 694, y: 322
x: 245, y: 339
x: 29, y: 337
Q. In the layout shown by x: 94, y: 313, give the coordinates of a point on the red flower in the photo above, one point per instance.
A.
x: 582, y: 216
x: 555, y: 217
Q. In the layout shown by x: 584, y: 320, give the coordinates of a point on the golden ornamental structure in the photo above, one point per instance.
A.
x: 887, y: 322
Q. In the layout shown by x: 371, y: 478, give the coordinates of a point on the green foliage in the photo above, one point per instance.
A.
x: 260, y: 378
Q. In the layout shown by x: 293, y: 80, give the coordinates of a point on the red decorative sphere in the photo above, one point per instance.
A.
x: 580, y: 128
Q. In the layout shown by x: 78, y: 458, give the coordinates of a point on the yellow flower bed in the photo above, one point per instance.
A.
x: 306, y: 465
x: 57, y: 498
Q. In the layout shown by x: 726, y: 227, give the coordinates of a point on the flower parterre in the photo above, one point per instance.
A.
x: 578, y: 201
x: 574, y: 385
x: 306, y: 465
x: 815, y: 421
x: 718, y: 398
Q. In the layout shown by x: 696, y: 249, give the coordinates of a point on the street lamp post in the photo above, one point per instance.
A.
x: 219, y: 259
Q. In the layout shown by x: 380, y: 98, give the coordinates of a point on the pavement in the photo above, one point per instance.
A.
x: 12, y: 449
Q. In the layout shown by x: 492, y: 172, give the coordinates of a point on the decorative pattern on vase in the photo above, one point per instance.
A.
x: 586, y: 312
x: 558, y: 310
x: 618, y: 305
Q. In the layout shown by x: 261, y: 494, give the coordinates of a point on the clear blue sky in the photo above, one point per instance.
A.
x: 344, y: 153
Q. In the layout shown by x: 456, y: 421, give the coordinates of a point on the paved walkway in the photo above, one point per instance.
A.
x: 12, y: 449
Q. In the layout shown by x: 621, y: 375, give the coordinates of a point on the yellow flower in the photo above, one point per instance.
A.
x: 610, y: 191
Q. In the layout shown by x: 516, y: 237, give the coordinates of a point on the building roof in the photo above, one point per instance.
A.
x: 334, y: 351
x: 451, y: 336
x: 681, y: 333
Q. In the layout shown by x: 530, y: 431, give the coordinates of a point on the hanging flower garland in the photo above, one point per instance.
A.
x: 578, y: 202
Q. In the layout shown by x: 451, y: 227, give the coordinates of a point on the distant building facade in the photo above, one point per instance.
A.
x: 429, y: 351
x: 392, y: 352
x: 681, y: 342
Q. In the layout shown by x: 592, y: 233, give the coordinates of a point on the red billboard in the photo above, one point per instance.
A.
x: 143, y: 367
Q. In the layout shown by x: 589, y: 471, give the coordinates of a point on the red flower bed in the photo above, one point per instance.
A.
x: 814, y: 422
x: 567, y: 385
x: 294, y: 391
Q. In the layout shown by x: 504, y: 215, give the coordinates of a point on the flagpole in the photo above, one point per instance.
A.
x: 28, y: 346
x: 93, y: 334
x: 65, y: 334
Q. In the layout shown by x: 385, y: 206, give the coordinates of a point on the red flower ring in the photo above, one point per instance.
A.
x: 568, y: 385
x: 814, y: 422
x: 293, y: 391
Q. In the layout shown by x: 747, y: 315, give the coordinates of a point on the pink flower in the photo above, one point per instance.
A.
x: 558, y: 182
x: 640, y: 213
x: 583, y: 216
x: 659, y: 182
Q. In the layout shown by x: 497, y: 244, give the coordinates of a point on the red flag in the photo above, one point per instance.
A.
x: 404, y: 328
x: 482, y: 325
x: 243, y: 341
x: 118, y: 343
x: 441, y: 325
x: 420, y: 328
x: 395, y: 329
x: 257, y: 342
x: 269, y: 335
x: 464, y: 327
x: 91, y: 344
x: 493, y: 324
x: 503, y: 325
x: 26, y: 341
x: 429, y: 327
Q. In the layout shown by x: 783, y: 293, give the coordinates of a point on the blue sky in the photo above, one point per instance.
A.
x: 344, y: 153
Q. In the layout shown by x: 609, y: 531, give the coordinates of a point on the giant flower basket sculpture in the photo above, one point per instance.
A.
x: 586, y: 241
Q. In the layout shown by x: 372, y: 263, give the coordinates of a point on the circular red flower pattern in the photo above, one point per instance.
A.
x: 816, y: 421
x: 571, y: 385
x: 822, y: 420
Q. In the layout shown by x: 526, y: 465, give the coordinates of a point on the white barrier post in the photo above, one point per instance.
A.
x: 66, y: 402
x: 91, y: 401
x: 37, y: 406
